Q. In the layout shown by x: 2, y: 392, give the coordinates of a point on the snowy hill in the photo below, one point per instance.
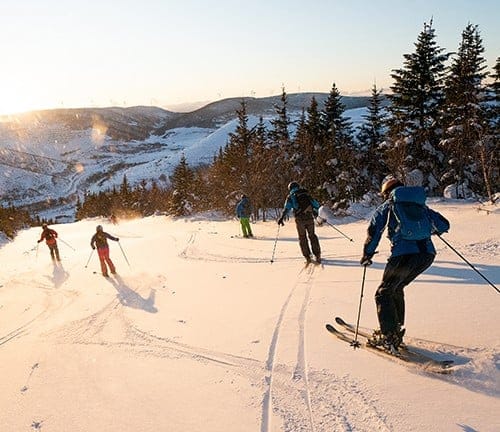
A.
x: 202, y: 333
x: 48, y: 157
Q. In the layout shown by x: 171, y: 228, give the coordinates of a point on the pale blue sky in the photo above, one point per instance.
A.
x: 65, y: 53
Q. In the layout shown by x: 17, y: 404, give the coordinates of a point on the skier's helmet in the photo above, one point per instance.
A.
x: 293, y: 185
x: 44, y: 226
x: 388, y: 185
x: 98, y: 228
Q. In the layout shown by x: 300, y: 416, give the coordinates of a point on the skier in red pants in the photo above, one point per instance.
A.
x: 99, y: 239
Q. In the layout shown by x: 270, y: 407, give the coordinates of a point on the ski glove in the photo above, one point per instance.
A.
x: 280, y: 221
x: 320, y: 220
x: 366, y: 260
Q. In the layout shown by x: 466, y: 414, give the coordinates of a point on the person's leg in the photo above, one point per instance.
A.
x: 415, y: 265
x: 384, y: 296
x: 248, y: 226
x: 102, y: 259
x: 244, y: 226
x: 304, y: 244
x: 313, y: 238
x: 56, y: 250
x: 108, y: 260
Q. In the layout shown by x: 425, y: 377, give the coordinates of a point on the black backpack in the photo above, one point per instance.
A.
x: 303, y: 202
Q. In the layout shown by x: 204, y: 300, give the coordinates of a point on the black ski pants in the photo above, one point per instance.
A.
x: 305, y: 229
x: 389, y: 298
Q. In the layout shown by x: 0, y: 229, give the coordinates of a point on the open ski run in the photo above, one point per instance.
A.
x: 203, y: 333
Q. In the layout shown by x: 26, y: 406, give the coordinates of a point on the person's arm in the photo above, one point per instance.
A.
x: 92, y: 242
x: 440, y: 224
x: 286, y: 208
x: 375, y: 230
x: 111, y: 237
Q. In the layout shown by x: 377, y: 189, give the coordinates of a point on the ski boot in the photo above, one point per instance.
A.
x: 389, y: 342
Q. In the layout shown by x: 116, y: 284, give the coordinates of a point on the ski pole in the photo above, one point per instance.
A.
x: 335, y: 228
x: 36, y: 255
x: 355, y: 344
x: 275, y: 242
x: 71, y: 247
x: 125, y: 256
x: 472, y: 267
x: 89, y: 258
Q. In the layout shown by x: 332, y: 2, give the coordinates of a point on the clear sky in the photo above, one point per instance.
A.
x: 66, y: 53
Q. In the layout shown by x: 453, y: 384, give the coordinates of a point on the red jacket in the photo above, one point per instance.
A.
x: 49, y: 235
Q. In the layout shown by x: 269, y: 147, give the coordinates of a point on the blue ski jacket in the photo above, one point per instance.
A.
x: 243, y: 208
x: 384, y: 216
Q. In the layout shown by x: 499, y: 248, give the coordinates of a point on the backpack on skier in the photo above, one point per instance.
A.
x: 303, y: 202
x: 408, y: 205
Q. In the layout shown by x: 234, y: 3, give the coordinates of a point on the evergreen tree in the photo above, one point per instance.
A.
x: 335, y: 165
x: 182, y: 199
x: 371, y: 135
x: 264, y: 190
x: 416, y: 102
x: 466, y: 113
x: 281, y: 149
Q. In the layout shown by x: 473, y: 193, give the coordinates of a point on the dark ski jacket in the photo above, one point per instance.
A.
x: 291, y: 203
x: 99, y: 240
x: 384, y: 216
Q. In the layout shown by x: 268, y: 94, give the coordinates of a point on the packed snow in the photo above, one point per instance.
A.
x: 199, y: 331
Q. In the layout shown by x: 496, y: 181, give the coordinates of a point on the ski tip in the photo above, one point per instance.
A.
x: 330, y: 328
x: 340, y: 321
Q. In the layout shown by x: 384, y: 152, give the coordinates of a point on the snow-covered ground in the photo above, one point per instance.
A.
x: 202, y: 333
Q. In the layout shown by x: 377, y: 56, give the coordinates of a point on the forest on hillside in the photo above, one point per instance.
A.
x: 440, y: 129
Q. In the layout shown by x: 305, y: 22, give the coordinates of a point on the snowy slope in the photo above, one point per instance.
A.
x: 203, y: 333
x: 59, y: 154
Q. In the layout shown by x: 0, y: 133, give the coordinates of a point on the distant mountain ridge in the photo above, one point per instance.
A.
x: 52, y: 156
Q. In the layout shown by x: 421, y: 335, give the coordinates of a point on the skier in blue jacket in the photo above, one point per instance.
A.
x: 244, y: 211
x: 305, y: 209
x: 409, y: 258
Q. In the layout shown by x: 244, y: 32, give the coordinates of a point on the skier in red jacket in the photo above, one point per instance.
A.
x: 50, y: 236
x: 99, y: 239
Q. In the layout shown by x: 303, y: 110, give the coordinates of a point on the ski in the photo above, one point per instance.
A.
x: 405, y: 357
x: 406, y: 349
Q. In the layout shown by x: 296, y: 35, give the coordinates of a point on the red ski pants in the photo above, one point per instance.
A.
x: 104, y: 258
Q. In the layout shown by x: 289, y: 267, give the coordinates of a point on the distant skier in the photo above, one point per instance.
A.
x: 50, y: 236
x: 243, y: 211
x: 410, y: 224
x: 305, y: 209
x: 99, y: 239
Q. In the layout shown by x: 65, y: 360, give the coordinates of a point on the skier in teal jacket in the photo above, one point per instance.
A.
x: 244, y: 211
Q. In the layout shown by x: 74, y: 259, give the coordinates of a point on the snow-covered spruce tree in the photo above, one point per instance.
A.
x: 465, y: 115
x: 415, y: 110
x: 336, y: 163
x: 370, y: 137
x: 312, y: 148
x: 237, y: 155
x: 182, y: 197
x: 281, y: 149
x: 490, y: 145
x: 263, y: 193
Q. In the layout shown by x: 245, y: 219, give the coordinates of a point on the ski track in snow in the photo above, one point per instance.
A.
x: 306, y: 400
x: 302, y: 400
